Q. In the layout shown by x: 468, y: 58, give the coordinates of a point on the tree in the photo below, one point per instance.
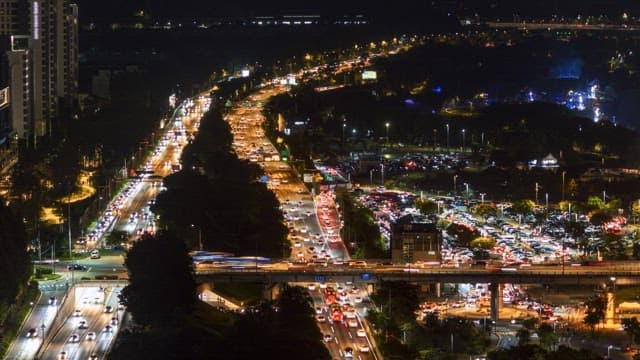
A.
x: 595, y: 312
x: 463, y: 233
x: 632, y: 327
x: 483, y: 242
x: 15, y: 265
x: 546, y: 335
x: 487, y: 209
x: 524, y: 336
x: 161, y: 281
x: 523, y: 207
x: 426, y: 206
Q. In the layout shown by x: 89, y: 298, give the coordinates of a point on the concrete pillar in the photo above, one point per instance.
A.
x: 438, y: 290
x: 496, y: 300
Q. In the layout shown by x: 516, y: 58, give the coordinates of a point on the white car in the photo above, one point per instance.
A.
x: 323, y: 285
x: 77, y: 312
x: 91, y: 336
x: 361, y: 333
x: 312, y: 287
x: 352, y: 323
x: 321, y: 318
x: 363, y: 347
x: 74, y: 338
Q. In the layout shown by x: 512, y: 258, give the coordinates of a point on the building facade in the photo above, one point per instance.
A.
x: 415, y: 238
x: 40, y: 64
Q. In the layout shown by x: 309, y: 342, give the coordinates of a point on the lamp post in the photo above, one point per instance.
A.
x: 482, y: 197
x: 467, y: 189
x: 447, y: 137
x: 546, y: 201
x: 463, y: 139
x: 199, y: 236
x: 454, y: 185
x: 435, y: 133
x: 344, y: 126
x: 386, y: 125
x: 609, y: 351
x: 563, y: 174
x: 537, y: 188
x: 371, y: 176
x: 382, y: 174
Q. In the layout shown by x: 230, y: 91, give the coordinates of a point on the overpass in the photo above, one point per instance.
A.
x: 606, y: 276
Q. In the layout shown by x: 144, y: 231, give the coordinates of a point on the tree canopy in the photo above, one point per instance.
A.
x: 161, y: 283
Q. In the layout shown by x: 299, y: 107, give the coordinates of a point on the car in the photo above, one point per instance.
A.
x: 77, y: 312
x: 318, y: 310
x: 76, y: 267
x: 327, y: 337
x: 348, y: 352
x: 53, y: 300
x: 312, y: 287
x: 82, y: 324
x: 32, y: 333
x: 108, y: 328
x: 363, y: 347
x: 91, y: 336
x: 323, y: 285
x: 114, y: 321
x: 74, y: 338
x: 93, y: 356
x: 62, y: 355
x: 352, y: 323
x: 108, y: 309
x: 321, y: 318
x: 361, y: 333
x: 357, y: 299
x: 95, y: 256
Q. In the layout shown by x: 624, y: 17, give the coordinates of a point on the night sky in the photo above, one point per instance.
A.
x: 386, y: 9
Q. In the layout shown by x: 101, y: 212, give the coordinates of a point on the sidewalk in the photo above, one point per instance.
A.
x: 214, y: 299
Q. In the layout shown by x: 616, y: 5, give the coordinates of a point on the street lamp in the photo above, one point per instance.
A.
x: 371, y: 176
x: 609, y: 351
x: 482, y: 197
x: 386, y: 125
x: 447, y: 137
x: 537, y: 188
x: 199, y: 235
x: 454, y: 184
x: 563, y: 174
x: 463, y: 138
x: 467, y: 189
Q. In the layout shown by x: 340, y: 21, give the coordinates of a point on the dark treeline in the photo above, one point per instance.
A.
x: 171, y: 323
x: 220, y: 196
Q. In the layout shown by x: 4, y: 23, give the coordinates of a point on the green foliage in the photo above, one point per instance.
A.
x: 294, y: 321
x: 360, y: 228
x: 524, y: 336
x: 15, y: 265
x: 523, y: 207
x: 595, y: 312
x: 426, y: 206
x: 464, y: 234
x: 486, y: 209
x: 219, y: 196
x: 546, y: 335
x: 632, y: 327
x: 483, y: 242
x: 147, y: 296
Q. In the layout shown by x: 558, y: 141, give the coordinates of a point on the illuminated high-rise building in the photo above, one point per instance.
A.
x: 40, y: 54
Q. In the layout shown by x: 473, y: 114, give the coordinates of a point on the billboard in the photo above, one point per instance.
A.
x: 369, y: 75
x: 245, y: 72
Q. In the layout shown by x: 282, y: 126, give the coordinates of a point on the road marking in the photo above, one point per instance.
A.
x: 332, y: 330
x: 337, y: 342
x: 350, y: 335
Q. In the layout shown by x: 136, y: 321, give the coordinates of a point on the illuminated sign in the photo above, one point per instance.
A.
x: 4, y: 97
x: 369, y: 75
x: 245, y: 72
x: 172, y: 100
